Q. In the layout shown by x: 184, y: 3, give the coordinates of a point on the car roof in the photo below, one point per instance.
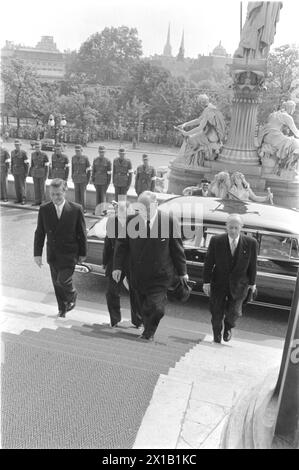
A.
x: 215, y: 211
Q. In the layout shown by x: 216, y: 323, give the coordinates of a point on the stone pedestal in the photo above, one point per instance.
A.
x: 248, y: 78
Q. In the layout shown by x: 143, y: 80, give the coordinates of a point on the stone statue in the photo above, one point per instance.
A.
x: 221, y: 184
x: 259, y: 30
x: 204, y: 141
x: 274, y: 141
x: 240, y: 189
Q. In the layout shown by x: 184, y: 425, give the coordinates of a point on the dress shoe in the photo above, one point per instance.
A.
x: 17, y: 202
x: 61, y: 314
x: 227, y: 334
x: 217, y: 338
x: 5, y: 200
x: 71, y: 305
x: 115, y: 325
x: 23, y: 203
x: 151, y: 338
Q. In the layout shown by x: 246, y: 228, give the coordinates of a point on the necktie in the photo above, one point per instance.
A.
x: 58, y: 210
x: 148, y: 228
x: 233, y: 246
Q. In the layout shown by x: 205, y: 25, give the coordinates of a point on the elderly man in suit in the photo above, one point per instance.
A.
x: 117, y: 222
x: 153, y: 243
x: 229, y: 272
x: 64, y: 225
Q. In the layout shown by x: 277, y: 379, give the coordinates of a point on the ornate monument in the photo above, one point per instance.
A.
x: 264, y: 160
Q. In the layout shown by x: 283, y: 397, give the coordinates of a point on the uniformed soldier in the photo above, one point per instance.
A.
x: 145, y: 177
x: 39, y: 170
x: 122, y: 173
x: 4, y: 167
x: 19, y: 170
x: 101, y: 175
x: 60, y: 164
x: 81, y: 171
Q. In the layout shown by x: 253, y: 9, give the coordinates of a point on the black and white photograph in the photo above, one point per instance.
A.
x: 149, y: 228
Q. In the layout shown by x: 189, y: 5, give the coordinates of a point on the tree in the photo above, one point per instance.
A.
x: 282, y: 74
x: 106, y: 57
x: 143, y: 79
x: 169, y: 102
x: 22, y: 90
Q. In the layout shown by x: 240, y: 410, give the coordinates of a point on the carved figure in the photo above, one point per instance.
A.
x: 259, y: 30
x: 240, y: 189
x: 221, y: 184
x: 280, y: 138
x: 204, y: 141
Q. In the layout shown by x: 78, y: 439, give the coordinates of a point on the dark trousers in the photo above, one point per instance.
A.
x: 152, y: 308
x: 20, y: 187
x: 80, y: 194
x: 120, y: 191
x: 39, y: 189
x: 113, y: 302
x: 3, y: 185
x: 100, y: 193
x: 62, y: 279
x: 224, y: 309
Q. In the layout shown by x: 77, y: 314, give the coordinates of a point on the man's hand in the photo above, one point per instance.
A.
x: 207, y: 289
x: 253, y: 288
x: 81, y: 259
x: 116, y: 275
x: 38, y: 261
x: 184, y: 278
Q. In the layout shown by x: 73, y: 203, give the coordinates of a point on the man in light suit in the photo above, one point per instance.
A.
x: 229, y: 272
x: 64, y: 225
x: 155, y: 255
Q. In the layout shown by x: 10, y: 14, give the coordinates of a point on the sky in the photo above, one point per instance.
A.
x: 205, y: 22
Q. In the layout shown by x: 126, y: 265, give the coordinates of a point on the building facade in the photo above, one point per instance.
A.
x: 45, y: 58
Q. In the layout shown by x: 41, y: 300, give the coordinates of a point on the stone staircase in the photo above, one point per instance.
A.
x: 82, y: 387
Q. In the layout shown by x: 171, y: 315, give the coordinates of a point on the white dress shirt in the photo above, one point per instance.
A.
x: 231, y: 240
x: 59, y: 209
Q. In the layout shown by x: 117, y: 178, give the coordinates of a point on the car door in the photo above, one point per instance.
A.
x: 277, y: 268
x: 196, y: 239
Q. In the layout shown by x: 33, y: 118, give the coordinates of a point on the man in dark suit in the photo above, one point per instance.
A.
x: 203, y: 190
x: 64, y: 225
x: 229, y: 272
x: 116, y: 222
x: 156, y: 251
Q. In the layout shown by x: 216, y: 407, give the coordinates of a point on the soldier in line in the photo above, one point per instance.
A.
x: 145, y: 177
x: 122, y: 174
x: 81, y: 171
x: 101, y: 175
x: 4, y: 167
x: 19, y: 170
x: 60, y: 164
x: 39, y: 170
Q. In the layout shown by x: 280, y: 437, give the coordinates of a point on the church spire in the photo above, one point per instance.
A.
x: 167, y: 48
x: 181, y: 54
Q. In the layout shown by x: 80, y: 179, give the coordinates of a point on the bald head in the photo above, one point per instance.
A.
x: 234, y: 225
x: 149, y: 200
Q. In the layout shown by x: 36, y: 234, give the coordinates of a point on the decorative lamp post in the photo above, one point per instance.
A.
x: 53, y: 123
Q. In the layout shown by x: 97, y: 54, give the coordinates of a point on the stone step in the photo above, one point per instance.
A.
x: 73, y: 350
x: 126, y: 350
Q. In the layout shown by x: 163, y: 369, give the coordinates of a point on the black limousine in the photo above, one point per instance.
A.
x: 276, y: 230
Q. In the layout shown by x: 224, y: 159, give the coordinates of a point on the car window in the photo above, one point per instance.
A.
x: 279, y: 247
x: 98, y: 230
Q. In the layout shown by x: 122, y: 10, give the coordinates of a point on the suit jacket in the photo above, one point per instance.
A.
x: 199, y: 192
x: 152, y: 261
x: 66, y: 237
x: 227, y: 273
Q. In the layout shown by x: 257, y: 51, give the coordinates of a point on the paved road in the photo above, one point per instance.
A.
x: 18, y: 271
